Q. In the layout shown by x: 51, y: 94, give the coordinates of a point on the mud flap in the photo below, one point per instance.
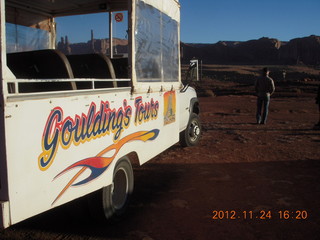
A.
x: 4, y: 215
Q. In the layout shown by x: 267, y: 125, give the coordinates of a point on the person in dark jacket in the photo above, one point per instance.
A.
x: 264, y: 87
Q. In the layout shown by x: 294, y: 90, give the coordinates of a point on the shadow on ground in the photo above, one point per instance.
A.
x: 175, y: 201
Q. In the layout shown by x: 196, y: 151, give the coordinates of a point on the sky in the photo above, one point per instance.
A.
x: 210, y: 21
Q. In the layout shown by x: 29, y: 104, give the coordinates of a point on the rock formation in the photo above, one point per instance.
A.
x: 120, y: 46
x: 262, y: 51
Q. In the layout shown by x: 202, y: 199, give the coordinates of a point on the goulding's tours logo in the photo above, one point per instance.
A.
x: 63, y: 131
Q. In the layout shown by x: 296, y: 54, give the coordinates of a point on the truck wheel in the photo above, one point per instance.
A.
x: 111, y: 201
x: 191, y: 135
x: 115, y: 197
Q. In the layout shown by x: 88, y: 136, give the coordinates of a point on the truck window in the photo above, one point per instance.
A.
x: 21, y: 38
x: 156, y: 44
x: 26, y: 30
x: 81, y: 34
x: 89, y: 50
x: 56, y: 50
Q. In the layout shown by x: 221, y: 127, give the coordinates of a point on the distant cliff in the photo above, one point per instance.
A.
x: 269, y: 51
x: 262, y: 51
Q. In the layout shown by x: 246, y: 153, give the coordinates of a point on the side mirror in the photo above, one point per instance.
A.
x: 193, y: 71
x: 192, y: 74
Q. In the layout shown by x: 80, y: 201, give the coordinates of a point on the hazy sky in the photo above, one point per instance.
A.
x: 209, y: 21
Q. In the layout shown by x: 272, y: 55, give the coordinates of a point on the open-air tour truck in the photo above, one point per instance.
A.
x: 70, y: 124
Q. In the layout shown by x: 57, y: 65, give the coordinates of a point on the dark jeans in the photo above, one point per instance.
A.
x: 262, y: 103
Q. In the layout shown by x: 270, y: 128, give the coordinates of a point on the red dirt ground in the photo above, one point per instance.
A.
x: 252, y: 173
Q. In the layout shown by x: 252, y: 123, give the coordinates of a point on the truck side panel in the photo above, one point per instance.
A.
x: 59, y: 149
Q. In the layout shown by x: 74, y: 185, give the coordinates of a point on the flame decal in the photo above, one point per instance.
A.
x: 98, y: 164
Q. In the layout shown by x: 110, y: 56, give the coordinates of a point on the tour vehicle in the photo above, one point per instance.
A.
x: 73, y: 123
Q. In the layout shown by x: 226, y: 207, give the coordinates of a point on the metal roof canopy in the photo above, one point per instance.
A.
x: 55, y: 8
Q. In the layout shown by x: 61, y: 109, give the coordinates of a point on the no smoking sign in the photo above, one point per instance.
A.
x: 118, y: 17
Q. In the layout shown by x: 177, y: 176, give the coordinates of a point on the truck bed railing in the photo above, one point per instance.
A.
x: 19, y: 86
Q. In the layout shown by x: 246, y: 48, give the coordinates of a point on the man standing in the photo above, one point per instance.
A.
x: 264, y: 87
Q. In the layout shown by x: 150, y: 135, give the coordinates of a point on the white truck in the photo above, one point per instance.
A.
x: 71, y: 125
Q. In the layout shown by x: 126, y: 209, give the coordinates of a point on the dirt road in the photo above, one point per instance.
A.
x: 244, y: 181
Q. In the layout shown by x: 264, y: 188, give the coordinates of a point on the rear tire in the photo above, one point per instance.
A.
x: 115, y: 197
x: 191, y: 135
x: 112, y: 201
